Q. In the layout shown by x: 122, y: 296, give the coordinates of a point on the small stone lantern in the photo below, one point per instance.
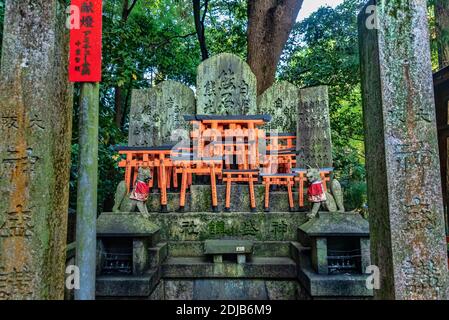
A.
x: 339, y: 243
x: 124, y: 244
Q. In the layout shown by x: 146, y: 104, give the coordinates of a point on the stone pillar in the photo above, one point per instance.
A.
x: 281, y: 102
x: 319, y: 255
x: 226, y: 86
x: 313, y: 130
x: 365, y: 253
x: 404, y: 189
x: 140, y: 256
x: 35, y: 131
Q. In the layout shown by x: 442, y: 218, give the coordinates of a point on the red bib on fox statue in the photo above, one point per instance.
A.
x: 140, y: 192
x: 316, y: 192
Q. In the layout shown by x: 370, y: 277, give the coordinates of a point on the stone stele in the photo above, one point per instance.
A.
x: 35, y: 130
x: 156, y: 116
x: 281, y: 101
x: 403, y: 175
x: 313, y: 130
x: 226, y: 86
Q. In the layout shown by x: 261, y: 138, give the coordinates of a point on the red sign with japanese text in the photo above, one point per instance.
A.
x: 85, y: 41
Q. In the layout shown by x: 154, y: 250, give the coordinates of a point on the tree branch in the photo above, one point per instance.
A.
x: 206, y: 3
x: 126, y: 10
x: 132, y: 6
x: 199, y: 26
x: 166, y: 41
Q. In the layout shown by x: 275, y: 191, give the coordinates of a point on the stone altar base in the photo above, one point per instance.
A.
x: 278, y: 266
x: 198, y: 199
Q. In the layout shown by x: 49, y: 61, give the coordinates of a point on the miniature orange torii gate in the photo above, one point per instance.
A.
x: 300, y: 178
x: 204, y: 166
x: 214, y: 135
x: 279, y: 179
x: 155, y: 158
x: 281, y: 140
x: 281, y: 149
x: 227, y: 137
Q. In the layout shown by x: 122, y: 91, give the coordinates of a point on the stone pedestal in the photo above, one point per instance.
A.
x: 404, y: 189
x: 237, y: 248
x: 313, y: 131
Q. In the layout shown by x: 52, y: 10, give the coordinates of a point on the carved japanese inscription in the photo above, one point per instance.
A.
x: 423, y: 277
x: 192, y: 228
x: 17, y: 284
x: 281, y: 101
x: 35, y: 128
x: 314, y: 141
x: 226, y: 86
x: 156, y: 116
x: 403, y: 175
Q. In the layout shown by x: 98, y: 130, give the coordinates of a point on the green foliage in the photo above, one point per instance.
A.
x: 323, y: 50
x: 157, y: 42
x: 434, y: 40
x: 153, y: 42
x: 226, y: 27
x: 355, y: 196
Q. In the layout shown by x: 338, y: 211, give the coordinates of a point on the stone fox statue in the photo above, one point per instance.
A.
x: 316, y: 195
x: 138, y: 196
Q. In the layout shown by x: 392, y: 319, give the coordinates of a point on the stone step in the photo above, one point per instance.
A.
x: 261, y: 249
x: 227, y: 289
x: 198, y: 199
x: 127, y: 286
x: 255, y: 268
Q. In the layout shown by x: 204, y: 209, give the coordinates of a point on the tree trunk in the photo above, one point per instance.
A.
x: 442, y: 22
x: 269, y: 25
x: 119, y: 106
x: 35, y: 131
x: 199, y: 26
x: 125, y: 12
x: 118, y: 90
